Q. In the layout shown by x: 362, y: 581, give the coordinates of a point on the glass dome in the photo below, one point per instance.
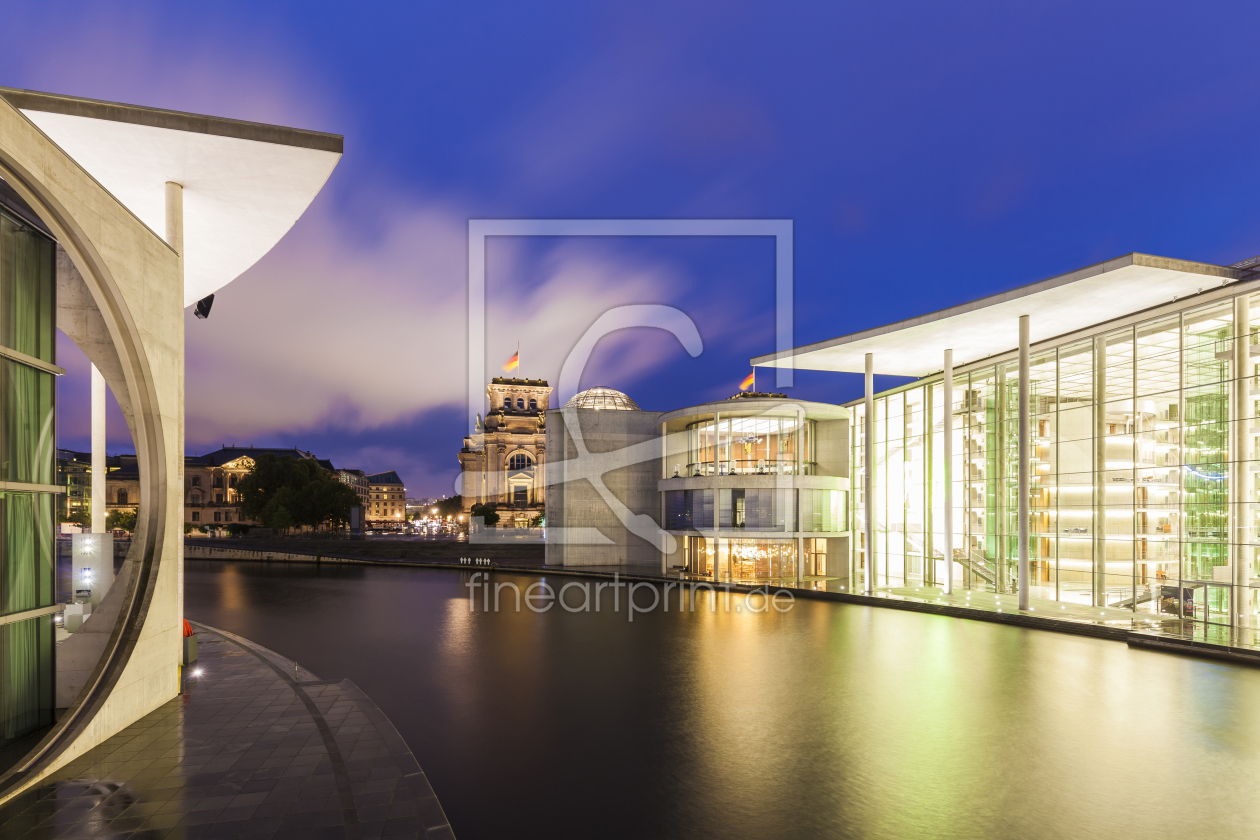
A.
x: 602, y: 398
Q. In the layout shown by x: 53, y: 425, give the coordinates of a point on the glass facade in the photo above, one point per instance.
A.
x: 757, y: 509
x: 760, y: 445
x: 760, y: 559
x: 1143, y: 477
x: 27, y: 453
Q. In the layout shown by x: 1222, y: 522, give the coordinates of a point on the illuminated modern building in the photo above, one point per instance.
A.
x: 115, y: 218
x: 756, y: 488
x: 1089, y: 439
x: 753, y: 488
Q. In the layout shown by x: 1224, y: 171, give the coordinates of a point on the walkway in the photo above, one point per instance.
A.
x: 255, y: 747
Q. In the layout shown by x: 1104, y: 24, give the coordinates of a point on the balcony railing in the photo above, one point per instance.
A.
x: 747, y: 467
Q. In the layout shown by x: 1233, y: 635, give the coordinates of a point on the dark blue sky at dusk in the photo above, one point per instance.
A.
x: 928, y: 154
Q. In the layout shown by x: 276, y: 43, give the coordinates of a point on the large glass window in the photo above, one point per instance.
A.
x: 760, y: 445
x: 1144, y: 484
x: 689, y: 510
x: 27, y: 453
x: 823, y: 510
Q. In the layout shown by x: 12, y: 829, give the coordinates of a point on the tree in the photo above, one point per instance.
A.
x: 488, y: 512
x: 123, y: 520
x: 283, y: 493
x: 453, y: 506
x: 80, y: 518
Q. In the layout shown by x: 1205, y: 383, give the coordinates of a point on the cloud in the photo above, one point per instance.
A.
x: 334, y: 330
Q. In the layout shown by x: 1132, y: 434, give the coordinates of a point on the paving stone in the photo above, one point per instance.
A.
x: 240, y: 754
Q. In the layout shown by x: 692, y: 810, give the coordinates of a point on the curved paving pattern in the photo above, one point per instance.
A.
x: 255, y: 747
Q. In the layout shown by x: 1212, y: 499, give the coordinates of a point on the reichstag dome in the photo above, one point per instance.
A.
x: 602, y: 398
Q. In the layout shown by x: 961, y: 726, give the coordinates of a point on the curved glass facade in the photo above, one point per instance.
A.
x: 759, y: 445
x: 27, y: 453
x: 759, y: 509
x: 754, y: 559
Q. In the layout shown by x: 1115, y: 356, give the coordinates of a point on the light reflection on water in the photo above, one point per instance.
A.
x: 827, y: 721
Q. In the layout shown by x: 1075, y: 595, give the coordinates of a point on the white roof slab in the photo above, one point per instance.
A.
x: 245, y: 184
x: 990, y: 326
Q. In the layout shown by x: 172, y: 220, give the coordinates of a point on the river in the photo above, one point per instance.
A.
x: 823, y: 720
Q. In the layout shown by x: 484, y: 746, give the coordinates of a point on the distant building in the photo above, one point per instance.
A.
x: 502, y: 462
x: 210, y: 480
x: 357, y: 479
x: 74, y: 472
x: 389, y: 501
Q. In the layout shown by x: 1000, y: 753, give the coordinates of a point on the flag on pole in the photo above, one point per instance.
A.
x: 513, y: 363
x: 748, y: 381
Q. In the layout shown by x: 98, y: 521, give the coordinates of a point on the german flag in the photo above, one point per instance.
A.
x: 512, y: 363
x: 748, y: 381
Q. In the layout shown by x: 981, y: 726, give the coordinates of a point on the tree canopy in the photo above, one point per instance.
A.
x: 488, y: 512
x: 124, y: 520
x: 285, y: 493
x: 453, y: 506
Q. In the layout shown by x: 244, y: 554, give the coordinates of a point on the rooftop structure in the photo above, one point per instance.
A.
x: 988, y: 327
x: 602, y: 399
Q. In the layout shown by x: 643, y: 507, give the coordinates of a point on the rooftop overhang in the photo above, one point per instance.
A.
x: 245, y: 184
x: 990, y: 326
x: 769, y: 407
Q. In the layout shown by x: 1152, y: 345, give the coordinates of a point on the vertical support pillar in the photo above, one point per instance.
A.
x: 868, y: 477
x: 1100, y: 472
x: 1239, y: 473
x: 1023, y: 462
x: 717, y: 495
x: 947, y: 474
x: 175, y: 238
x: 797, y: 470
x: 98, y: 452
x: 664, y: 474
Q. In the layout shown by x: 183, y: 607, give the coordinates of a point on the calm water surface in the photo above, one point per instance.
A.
x: 827, y: 721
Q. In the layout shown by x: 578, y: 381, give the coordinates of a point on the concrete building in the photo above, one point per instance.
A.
x: 503, y: 461
x: 605, y: 467
x: 747, y: 489
x: 88, y: 187
x: 388, y: 502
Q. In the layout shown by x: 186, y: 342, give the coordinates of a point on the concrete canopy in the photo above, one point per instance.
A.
x: 990, y: 326
x: 245, y: 184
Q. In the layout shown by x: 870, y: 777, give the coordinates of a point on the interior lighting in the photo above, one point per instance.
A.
x: 197, y: 672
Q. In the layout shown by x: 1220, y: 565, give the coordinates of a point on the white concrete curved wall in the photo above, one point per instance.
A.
x: 135, y: 281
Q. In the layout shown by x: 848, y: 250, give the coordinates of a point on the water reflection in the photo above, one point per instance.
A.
x: 826, y: 721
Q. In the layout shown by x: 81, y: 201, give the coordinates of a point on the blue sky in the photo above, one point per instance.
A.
x: 928, y: 153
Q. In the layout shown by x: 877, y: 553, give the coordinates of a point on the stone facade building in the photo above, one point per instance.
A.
x: 503, y: 461
x: 388, y: 503
x: 210, y: 480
